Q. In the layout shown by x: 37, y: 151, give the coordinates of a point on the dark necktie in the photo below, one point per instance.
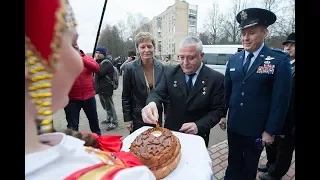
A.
x: 247, y: 63
x: 292, y: 68
x: 189, y: 83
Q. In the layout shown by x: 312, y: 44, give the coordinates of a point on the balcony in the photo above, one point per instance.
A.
x: 192, y: 15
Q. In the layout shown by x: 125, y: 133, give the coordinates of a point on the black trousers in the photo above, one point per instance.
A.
x: 279, y: 155
x: 72, y: 111
x: 243, y: 157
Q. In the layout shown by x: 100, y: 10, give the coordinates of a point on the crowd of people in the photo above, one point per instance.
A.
x: 253, y: 101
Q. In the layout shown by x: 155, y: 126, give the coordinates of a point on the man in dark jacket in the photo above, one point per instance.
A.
x: 104, y: 88
x: 82, y: 96
x: 279, y: 154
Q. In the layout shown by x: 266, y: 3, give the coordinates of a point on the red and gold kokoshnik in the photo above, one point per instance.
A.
x: 45, y: 21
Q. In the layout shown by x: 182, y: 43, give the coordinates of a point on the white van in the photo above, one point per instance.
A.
x: 216, y: 56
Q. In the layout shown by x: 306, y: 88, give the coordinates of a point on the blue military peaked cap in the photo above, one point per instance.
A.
x: 255, y: 16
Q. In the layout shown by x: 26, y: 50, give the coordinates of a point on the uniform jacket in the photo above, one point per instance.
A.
x: 259, y: 101
x: 83, y: 87
x: 204, y: 105
x: 135, y: 93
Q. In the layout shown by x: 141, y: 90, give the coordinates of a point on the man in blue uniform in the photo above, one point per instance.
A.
x: 257, y: 90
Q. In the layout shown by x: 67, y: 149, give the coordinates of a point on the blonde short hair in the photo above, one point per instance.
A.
x: 142, y: 36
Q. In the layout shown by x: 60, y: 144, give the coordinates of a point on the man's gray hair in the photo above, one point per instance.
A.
x: 192, y: 41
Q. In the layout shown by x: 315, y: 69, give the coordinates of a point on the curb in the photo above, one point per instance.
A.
x: 215, y: 145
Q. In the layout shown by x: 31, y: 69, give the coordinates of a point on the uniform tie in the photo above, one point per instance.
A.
x: 189, y: 83
x: 247, y: 63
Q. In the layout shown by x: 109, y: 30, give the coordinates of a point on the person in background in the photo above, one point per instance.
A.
x: 279, y: 154
x: 119, y: 63
x: 131, y: 57
x: 104, y: 88
x: 82, y: 95
x: 140, y: 78
x: 52, y: 65
x: 257, y: 94
x: 167, y: 62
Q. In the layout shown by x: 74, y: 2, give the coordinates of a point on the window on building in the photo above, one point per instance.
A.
x: 192, y: 18
x: 192, y: 23
x: 192, y: 11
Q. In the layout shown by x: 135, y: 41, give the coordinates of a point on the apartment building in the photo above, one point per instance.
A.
x: 171, y: 26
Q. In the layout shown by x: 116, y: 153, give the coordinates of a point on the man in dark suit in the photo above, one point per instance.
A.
x: 279, y: 154
x: 257, y: 89
x: 195, y: 92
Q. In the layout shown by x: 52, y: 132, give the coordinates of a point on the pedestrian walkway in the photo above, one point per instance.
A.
x: 219, y: 157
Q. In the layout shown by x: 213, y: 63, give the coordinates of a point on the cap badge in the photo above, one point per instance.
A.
x: 243, y: 15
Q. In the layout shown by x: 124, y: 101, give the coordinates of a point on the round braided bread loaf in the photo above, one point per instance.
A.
x: 160, y: 153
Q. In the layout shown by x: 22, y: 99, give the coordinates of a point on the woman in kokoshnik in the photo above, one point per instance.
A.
x: 51, y: 66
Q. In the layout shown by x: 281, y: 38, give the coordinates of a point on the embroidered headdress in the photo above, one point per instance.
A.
x: 45, y: 21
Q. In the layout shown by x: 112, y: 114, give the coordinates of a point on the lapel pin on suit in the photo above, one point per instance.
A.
x: 261, y: 55
x: 204, y: 90
x: 175, y: 83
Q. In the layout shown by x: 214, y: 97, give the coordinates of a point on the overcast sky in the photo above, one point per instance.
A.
x: 88, y: 14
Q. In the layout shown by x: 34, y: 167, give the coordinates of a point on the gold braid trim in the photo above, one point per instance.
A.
x: 40, y: 88
x: 41, y: 74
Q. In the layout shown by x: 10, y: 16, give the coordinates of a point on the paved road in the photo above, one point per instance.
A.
x: 216, y: 135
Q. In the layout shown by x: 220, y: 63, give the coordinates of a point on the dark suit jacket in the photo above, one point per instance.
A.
x: 204, y: 105
x: 134, y: 93
x: 258, y: 102
x: 102, y: 84
x: 289, y: 123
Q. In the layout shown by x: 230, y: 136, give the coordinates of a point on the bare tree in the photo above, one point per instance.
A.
x: 205, y: 38
x: 104, y: 34
x: 214, y: 21
x: 269, y: 4
x: 142, y: 22
x: 132, y: 24
x: 291, y: 15
x: 118, y: 39
x: 285, y: 23
x: 275, y: 7
x: 122, y: 29
x: 137, y: 23
x: 231, y: 26
x: 111, y: 40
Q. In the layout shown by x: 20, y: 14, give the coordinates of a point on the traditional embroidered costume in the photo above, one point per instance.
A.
x: 67, y: 158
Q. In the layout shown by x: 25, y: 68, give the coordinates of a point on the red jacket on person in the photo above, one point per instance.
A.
x: 83, y: 87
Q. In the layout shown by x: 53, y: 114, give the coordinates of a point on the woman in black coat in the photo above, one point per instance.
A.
x: 140, y: 77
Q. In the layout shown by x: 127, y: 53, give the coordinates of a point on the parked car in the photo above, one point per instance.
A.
x: 216, y: 56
